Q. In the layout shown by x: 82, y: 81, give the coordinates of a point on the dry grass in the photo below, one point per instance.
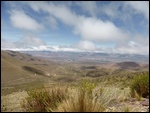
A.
x: 90, y: 98
x: 126, y: 109
x: 43, y: 100
x: 140, y: 85
x: 82, y: 100
x: 11, y: 102
x: 87, y: 97
x: 81, y: 103
x: 137, y: 96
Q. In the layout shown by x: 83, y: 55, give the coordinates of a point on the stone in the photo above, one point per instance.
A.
x: 132, y: 99
x: 145, y: 103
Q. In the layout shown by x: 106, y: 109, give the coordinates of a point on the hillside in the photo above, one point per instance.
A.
x: 127, y: 65
x: 13, y: 69
x: 21, y: 72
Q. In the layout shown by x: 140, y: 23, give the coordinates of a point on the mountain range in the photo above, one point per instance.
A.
x: 65, y: 56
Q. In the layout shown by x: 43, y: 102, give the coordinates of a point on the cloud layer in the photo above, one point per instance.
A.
x: 29, y: 41
x: 140, y: 7
x: 123, y: 23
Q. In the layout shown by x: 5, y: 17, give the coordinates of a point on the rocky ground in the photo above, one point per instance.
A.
x: 131, y: 105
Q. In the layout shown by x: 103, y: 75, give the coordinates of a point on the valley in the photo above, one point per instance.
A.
x: 25, y: 71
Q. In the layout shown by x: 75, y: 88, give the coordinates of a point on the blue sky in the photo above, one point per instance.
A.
x: 111, y: 27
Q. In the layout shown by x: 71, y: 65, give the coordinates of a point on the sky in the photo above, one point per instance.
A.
x: 92, y: 26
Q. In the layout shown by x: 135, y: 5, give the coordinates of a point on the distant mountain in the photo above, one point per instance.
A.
x: 89, y: 56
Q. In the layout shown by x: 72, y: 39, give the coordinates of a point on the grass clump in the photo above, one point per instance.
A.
x: 83, y: 100
x: 89, y: 97
x: 126, y: 109
x: 140, y: 85
x: 43, y: 100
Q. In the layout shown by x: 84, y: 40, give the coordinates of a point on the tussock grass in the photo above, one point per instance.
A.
x: 140, y: 85
x: 91, y: 98
x: 111, y: 95
x: 137, y: 96
x: 86, y: 97
x: 82, y: 101
x: 126, y: 109
x: 43, y: 100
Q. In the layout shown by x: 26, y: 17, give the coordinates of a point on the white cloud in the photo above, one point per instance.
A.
x: 63, y: 14
x: 143, y: 40
x: 133, y: 50
x: 59, y: 11
x: 89, y: 28
x: 125, y: 12
x: 33, y: 40
x: 111, y: 9
x: 6, y: 44
x: 132, y: 47
x: 140, y: 7
x: 29, y: 41
x: 42, y: 48
x: 23, y: 21
x: 32, y: 43
x: 98, y: 30
x: 92, y: 28
x: 132, y: 44
x: 86, y: 45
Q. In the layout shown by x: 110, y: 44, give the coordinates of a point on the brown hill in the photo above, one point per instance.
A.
x: 16, y: 67
x: 127, y: 65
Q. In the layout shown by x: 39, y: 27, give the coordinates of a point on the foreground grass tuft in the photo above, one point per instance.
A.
x: 43, y: 100
x: 83, y: 100
x: 86, y: 97
x: 140, y: 85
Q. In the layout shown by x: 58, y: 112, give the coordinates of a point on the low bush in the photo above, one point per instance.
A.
x: 140, y: 84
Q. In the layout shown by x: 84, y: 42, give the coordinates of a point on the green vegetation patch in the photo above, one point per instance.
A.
x: 43, y: 100
x: 140, y: 84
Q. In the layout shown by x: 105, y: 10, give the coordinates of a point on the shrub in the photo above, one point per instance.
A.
x: 43, y: 100
x: 140, y: 84
x: 86, y: 86
x: 82, y: 101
